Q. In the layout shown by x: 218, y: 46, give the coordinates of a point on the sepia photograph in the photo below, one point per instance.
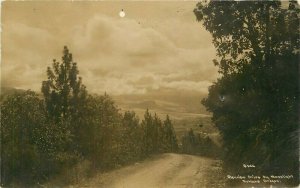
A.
x: 150, y: 94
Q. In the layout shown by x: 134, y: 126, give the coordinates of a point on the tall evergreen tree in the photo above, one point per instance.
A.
x: 131, y: 140
x: 157, y: 124
x: 147, y: 125
x: 63, y: 91
x: 170, y: 139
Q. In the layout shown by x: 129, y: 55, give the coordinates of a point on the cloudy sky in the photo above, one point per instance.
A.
x: 157, y: 46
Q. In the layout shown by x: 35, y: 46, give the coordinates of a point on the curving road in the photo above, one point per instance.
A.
x: 163, y: 171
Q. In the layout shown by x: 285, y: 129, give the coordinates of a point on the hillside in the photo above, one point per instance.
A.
x: 5, y: 91
x: 178, y: 106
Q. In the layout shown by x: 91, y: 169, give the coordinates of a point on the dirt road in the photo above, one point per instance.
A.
x: 164, y: 171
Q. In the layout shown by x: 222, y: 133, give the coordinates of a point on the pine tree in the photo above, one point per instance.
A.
x: 157, y: 124
x: 147, y: 125
x: 131, y: 137
x: 63, y: 91
x: 65, y: 99
x: 170, y: 140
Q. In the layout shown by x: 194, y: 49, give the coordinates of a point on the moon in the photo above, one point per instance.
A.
x: 122, y: 14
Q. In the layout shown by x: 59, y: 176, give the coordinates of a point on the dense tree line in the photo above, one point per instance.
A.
x: 255, y: 103
x: 42, y: 136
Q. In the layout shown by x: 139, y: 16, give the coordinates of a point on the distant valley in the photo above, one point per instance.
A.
x: 186, y: 111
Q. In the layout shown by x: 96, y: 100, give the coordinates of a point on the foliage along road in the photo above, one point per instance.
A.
x: 163, y: 171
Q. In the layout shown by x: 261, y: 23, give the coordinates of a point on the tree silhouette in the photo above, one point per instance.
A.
x: 63, y: 91
x: 255, y: 102
x: 245, y: 32
x: 169, y: 136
